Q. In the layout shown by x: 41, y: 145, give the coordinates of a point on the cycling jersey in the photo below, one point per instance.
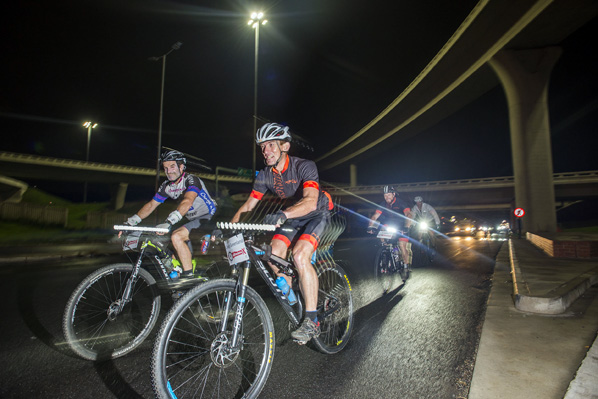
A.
x: 296, y: 175
x: 426, y: 213
x: 203, y: 206
x: 393, y: 214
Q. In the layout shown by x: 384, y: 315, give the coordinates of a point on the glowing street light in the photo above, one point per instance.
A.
x: 257, y: 19
x: 90, y: 126
x: 175, y: 46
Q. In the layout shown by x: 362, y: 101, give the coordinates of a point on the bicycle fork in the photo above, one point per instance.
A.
x: 241, y: 289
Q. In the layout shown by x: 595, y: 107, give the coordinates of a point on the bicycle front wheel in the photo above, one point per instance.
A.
x: 97, y: 326
x: 335, y: 309
x: 193, y: 358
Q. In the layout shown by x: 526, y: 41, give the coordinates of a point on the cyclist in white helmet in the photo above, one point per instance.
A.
x: 423, y: 212
x: 292, y: 177
x: 195, y: 204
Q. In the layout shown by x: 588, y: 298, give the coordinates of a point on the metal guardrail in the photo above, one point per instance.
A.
x: 490, y: 182
x: 103, y: 167
x: 41, y: 214
x: 462, y: 184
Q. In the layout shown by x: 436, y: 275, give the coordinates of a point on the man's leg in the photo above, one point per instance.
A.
x: 179, y: 240
x: 405, y: 251
x: 308, y: 278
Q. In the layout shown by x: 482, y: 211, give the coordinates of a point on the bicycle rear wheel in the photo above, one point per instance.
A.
x: 335, y: 309
x: 192, y: 358
x: 383, y: 268
x: 92, y: 324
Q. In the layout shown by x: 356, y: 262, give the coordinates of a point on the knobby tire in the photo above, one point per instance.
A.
x: 190, y: 358
x: 335, y: 309
x: 87, y: 327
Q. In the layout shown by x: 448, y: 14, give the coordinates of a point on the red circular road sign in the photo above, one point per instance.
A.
x: 519, y: 212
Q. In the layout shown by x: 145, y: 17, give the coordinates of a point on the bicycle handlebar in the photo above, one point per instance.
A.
x: 245, y: 226
x: 144, y: 229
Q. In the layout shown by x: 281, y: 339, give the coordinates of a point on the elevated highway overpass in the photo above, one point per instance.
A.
x: 482, y: 194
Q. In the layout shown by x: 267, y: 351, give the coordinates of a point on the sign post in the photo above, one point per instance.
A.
x: 519, y: 212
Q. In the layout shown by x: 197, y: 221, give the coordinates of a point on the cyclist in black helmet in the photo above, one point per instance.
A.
x: 394, y: 211
x: 195, y: 204
x: 287, y: 176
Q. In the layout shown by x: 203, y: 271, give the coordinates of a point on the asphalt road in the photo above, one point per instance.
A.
x: 417, y: 341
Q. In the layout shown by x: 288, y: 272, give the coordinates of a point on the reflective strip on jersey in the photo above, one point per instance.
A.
x: 256, y: 194
x: 159, y: 198
x: 311, y: 184
x: 330, y: 203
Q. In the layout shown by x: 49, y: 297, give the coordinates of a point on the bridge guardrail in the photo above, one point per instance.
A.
x: 34, y: 213
x: 590, y: 176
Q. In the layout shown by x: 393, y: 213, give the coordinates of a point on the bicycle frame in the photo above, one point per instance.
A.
x: 126, y: 296
x: 242, y: 284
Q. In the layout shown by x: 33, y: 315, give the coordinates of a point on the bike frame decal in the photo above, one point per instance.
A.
x: 266, y: 276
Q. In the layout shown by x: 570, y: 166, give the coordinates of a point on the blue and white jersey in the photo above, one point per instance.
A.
x: 203, y: 207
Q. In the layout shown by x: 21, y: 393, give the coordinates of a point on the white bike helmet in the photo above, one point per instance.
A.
x: 272, y: 131
x: 418, y: 199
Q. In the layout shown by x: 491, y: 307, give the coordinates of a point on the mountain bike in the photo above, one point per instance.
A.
x: 423, y: 249
x: 389, y: 258
x: 218, y: 340
x: 114, y: 309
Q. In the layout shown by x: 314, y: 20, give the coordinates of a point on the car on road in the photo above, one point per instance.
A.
x: 463, y: 227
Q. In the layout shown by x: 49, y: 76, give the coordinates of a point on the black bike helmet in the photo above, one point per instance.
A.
x: 389, y: 189
x: 174, y: 155
x: 272, y: 131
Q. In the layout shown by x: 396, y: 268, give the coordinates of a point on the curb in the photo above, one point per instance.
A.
x: 556, y: 301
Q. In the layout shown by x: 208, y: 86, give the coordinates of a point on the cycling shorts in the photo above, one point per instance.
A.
x: 195, y: 223
x: 311, y: 229
x: 403, y: 235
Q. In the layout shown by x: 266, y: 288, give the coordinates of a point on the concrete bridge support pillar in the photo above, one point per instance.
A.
x: 524, y: 75
x: 118, y: 196
x: 353, y: 175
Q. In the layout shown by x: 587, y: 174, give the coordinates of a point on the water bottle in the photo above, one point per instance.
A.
x: 281, y: 282
x: 175, y: 273
x: 205, y: 243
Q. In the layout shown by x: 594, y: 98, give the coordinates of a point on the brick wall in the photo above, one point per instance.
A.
x: 565, y: 249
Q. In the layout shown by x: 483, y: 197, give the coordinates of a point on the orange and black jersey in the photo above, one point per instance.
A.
x: 393, y: 213
x: 296, y: 175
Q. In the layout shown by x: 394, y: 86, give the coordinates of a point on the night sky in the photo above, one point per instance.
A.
x: 326, y: 68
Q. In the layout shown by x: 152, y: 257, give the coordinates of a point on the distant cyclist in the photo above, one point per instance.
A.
x: 423, y: 212
x: 394, y: 212
x: 195, y: 204
x: 292, y: 177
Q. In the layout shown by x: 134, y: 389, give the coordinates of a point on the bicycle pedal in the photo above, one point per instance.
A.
x: 299, y: 342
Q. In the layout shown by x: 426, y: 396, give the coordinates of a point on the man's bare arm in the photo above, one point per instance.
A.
x: 246, y: 207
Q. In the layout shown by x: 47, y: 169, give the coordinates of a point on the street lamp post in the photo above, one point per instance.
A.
x: 90, y: 126
x: 175, y: 46
x: 257, y: 19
